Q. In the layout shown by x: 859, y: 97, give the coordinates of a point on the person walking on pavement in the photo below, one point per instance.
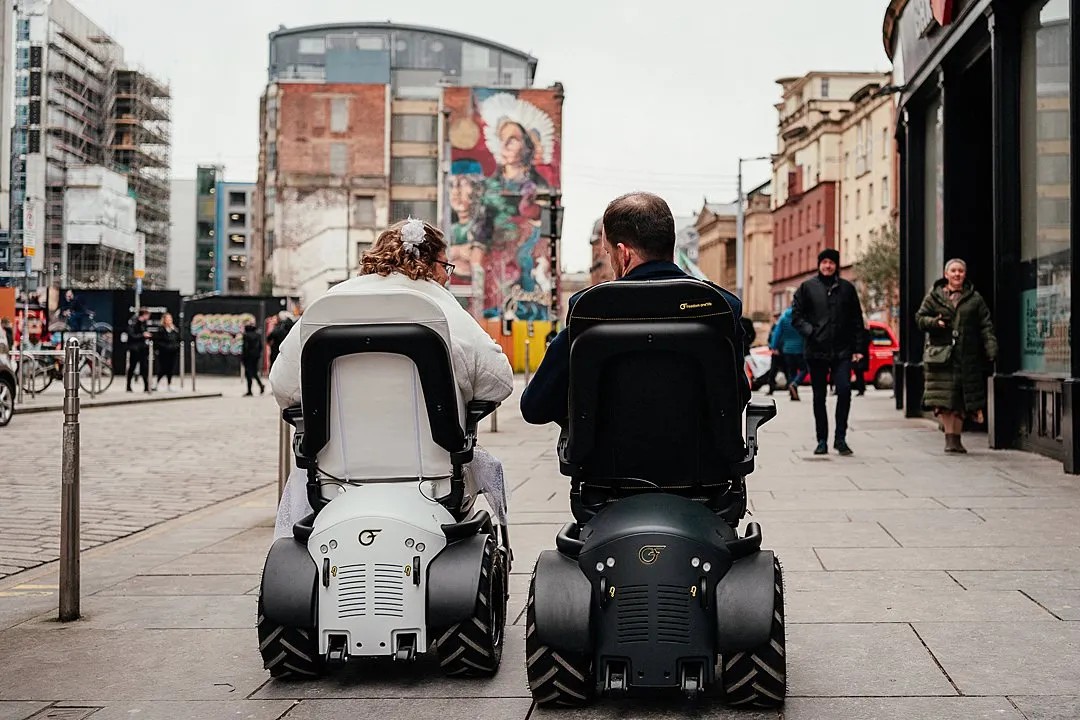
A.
x: 788, y: 344
x: 827, y: 313
x: 278, y: 335
x: 252, y: 355
x: 138, y: 350
x: 167, y: 350
x: 960, y: 344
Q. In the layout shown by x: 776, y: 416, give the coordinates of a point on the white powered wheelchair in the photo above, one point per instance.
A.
x: 395, y: 560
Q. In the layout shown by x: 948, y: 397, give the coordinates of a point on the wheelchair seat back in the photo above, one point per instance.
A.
x: 656, y: 388
x: 379, y: 397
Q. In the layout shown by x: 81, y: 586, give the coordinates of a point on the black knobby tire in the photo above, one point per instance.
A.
x: 556, y: 677
x: 474, y: 647
x: 288, y: 651
x: 758, y: 677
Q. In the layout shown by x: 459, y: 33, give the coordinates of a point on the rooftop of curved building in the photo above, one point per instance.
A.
x: 391, y: 26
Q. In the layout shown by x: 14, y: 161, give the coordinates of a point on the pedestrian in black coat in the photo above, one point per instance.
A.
x: 251, y: 355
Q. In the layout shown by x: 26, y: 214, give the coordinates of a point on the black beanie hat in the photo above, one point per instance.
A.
x: 829, y: 254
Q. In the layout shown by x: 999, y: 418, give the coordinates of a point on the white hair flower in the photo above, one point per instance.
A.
x: 412, y: 236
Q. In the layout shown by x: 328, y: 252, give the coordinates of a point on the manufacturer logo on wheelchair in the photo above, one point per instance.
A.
x: 649, y: 554
x: 368, y: 536
x: 694, y: 306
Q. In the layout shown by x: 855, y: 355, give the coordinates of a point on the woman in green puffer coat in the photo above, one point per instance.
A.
x: 960, y: 343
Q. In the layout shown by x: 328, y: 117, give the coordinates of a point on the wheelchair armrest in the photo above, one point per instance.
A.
x: 758, y: 412
x: 475, y: 411
x: 294, y: 415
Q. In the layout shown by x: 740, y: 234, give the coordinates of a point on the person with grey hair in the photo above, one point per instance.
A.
x: 960, y: 346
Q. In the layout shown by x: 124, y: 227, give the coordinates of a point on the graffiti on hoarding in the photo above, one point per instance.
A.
x: 505, y: 160
x: 220, y: 334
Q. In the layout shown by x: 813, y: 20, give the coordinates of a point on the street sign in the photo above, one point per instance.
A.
x: 33, y: 220
x: 140, y: 255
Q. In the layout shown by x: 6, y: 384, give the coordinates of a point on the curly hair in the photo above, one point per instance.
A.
x: 388, y: 255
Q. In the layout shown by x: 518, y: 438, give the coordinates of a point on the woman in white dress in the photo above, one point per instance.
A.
x: 409, y: 254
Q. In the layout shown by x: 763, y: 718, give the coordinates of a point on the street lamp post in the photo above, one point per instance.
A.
x: 740, y: 229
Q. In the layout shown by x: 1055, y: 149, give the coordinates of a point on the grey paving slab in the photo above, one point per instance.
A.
x: 519, y: 597
x: 194, y: 710
x: 992, y: 533
x: 1064, y: 604
x: 256, y: 541
x: 765, y: 517
x: 907, y: 708
x: 795, y: 558
x: 1048, y: 708
x: 851, y: 499
x: 934, y: 485
x: 673, y: 709
x: 1018, y: 579
x: 764, y: 481
x: 1011, y: 502
x: 845, y: 534
x: 945, y: 558
x: 843, y: 582
x: 420, y: 680
x: 183, y: 585
x: 212, y: 564
x: 102, y: 666
x: 884, y: 606
x: 19, y: 710
x: 861, y: 660
x: 161, y: 613
x: 1007, y: 658
x: 431, y: 709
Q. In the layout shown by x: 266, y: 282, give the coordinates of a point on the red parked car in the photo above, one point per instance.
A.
x: 883, y: 344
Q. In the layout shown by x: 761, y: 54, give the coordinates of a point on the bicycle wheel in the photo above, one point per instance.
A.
x: 34, y: 376
x: 86, y: 375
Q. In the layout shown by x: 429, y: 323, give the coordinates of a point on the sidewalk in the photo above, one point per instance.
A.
x: 53, y: 398
x: 918, y: 585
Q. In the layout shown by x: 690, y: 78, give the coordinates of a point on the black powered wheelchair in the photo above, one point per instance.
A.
x: 651, y: 587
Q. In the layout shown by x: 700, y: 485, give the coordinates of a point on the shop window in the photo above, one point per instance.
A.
x: 1046, y: 191
x: 933, y: 189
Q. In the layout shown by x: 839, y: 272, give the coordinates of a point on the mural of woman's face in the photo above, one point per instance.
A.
x: 461, y: 196
x: 514, y: 148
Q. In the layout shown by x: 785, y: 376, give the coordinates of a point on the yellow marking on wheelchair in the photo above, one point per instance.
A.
x: 333, y: 571
x: 611, y: 591
x: 693, y: 591
x: 408, y: 570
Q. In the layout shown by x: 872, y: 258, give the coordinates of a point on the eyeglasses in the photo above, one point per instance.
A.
x: 449, y: 267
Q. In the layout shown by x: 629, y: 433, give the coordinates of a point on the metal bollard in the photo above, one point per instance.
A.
x: 149, y: 361
x: 495, y: 420
x: 192, y: 366
x: 69, y: 488
x: 284, y: 456
x: 183, y: 357
x: 528, y: 370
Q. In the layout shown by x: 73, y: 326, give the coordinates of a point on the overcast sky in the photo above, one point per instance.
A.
x: 660, y: 96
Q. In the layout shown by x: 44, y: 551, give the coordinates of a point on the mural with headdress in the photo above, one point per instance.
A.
x: 505, y: 153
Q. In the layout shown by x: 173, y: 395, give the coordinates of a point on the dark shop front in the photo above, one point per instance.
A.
x: 987, y: 132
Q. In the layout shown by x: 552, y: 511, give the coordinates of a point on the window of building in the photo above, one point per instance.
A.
x: 824, y: 87
x: 479, y: 65
x: 885, y: 143
x: 312, y: 46
x: 237, y: 240
x: 513, y: 71
x: 363, y: 211
x: 237, y: 284
x: 339, y: 159
x: 414, y: 128
x: 237, y: 198
x: 858, y: 203
x: 339, y: 115
x: 933, y: 194
x: 237, y: 263
x: 885, y: 193
x: 414, y: 171
x: 22, y: 58
x: 800, y: 266
x: 869, y: 144
x: 1045, y: 255
x: 22, y: 86
x: 847, y: 209
x: 271, y: 156
x: 847, y: 165
x: 401, y: 209
x: 237, y: 219
x: 870, y: 200
x: 24, y: 29
x: 858, y: 245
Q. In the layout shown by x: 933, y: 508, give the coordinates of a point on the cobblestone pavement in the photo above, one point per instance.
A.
x: 918, y: 585
x: 141, y: 464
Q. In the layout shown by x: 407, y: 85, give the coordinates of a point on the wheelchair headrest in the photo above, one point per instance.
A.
x: 373, y: 307
x: 651, y: 301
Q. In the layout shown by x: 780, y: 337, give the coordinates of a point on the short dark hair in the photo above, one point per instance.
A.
x: 641, y: 221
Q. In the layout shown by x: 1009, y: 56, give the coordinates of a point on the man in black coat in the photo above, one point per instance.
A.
x: 638, y: 234
x: 251, y: 355
x: 139, y: 348
x: 827, y: 313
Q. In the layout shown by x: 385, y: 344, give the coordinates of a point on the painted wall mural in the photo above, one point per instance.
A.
x: 505, y: 153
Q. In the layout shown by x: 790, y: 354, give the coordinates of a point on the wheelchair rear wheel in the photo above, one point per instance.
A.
x: 474, y: 647
x: 758, y: 677
x: 556, y: 678
x: 288, y: 651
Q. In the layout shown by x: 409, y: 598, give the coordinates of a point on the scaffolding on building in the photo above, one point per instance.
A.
x: 139, y: 129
